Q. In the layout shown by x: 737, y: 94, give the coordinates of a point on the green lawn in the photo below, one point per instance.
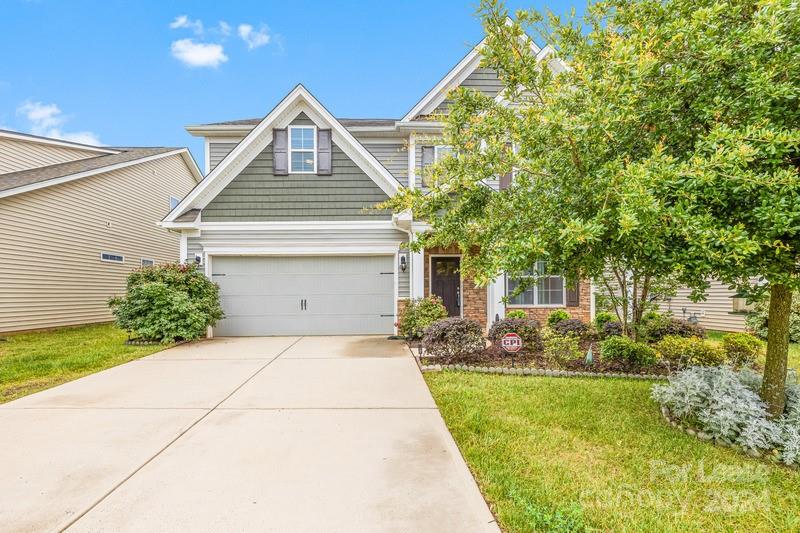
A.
x: 794, y: 349
x: 30, y: 362
x: 570, y: 454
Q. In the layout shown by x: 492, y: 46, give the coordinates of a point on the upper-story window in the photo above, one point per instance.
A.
x: 440, y: 151
x: 173, y: 202
x: 303, y: 149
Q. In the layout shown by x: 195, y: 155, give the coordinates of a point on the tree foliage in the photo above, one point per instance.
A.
x: 669, y: 146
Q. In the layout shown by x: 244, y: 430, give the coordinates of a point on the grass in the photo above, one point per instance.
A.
x: 31, y: 362
x: 555, y: 454
x: 794, y: 349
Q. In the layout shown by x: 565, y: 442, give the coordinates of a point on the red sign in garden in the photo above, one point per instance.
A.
x: 511, y: 342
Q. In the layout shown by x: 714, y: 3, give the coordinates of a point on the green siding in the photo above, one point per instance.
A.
x: 258, y: 195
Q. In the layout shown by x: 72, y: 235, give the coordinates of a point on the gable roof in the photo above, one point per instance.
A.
x: 468, y: 64
x: 28, y: 137
x: 298, y: 100
x: 36, y: 178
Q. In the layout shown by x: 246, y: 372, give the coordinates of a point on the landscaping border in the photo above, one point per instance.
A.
x: 537, y: 372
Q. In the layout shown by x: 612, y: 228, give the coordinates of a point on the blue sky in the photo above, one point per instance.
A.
x: 134, y: 73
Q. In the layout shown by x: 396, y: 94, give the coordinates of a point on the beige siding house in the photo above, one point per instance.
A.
x: 721, y: 310
x: 75, y: 220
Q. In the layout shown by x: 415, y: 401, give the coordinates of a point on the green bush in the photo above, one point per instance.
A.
x: 627, y: 352
x: 611, y: 329
x: 603, y: 317
x: 557, y: 316
x: 742, y: 349
x: 168, y: 302
x: 559, y: 349
x: 683, y: 352
x: 452, y: 338
x: 528, y: 330
x: 418, y: 314
x: 571, y: 326
x: 757, y: 320
x: 516, y: 313
x: 662, y: 326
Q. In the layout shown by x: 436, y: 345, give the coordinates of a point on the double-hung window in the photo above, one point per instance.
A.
x: 302, y: 149
x: 546, y: 291
x: 440, y: 151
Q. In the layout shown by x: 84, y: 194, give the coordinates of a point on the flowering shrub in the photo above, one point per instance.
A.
x: 527, y: 329
x: 168, y: 302
x: 682, y: 352
x: 611, y: 329
x: 742, y: 349
x: 557, y: 316
x: 558, y: 349
x: 627, y: 351
x: 662, y: 326
x: 571, y: 326
x: 453, y: 337
x: 418, y: 314
x: 725, y: 405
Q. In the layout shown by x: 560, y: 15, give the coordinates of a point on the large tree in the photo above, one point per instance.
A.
x: 667, y: 147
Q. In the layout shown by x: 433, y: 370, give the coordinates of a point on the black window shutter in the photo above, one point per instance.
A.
x: 280, y: 155
x: 324, y: 163
x: 573, y: 296
x: 427, y: 156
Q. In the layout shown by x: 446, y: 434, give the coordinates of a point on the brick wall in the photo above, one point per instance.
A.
x: 473, y: 299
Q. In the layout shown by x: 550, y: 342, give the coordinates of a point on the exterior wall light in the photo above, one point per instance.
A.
x: 403, y: 263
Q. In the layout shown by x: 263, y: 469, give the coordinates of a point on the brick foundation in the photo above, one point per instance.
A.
x: 582, y: 312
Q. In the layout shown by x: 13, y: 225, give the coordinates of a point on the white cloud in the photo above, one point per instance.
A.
x: 254, y: 39
x: 195, y: 54
x: 47, y: 120
x: 224, y: 28
x: 183, y: 21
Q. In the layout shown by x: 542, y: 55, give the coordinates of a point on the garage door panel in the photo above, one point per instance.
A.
x: 344, y: 295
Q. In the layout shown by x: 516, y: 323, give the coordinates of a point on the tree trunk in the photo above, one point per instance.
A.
x: 773, y: 390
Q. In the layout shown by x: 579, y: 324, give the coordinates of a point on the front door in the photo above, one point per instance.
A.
x: 446, y: 282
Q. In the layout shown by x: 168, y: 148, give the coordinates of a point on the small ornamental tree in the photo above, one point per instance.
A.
x: 168, y: 302
x: 666, y: 145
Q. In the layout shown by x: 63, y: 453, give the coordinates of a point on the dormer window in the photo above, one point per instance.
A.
x: 302, y: 149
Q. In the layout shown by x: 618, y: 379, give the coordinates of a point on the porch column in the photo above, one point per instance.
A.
x: 417, y: 275
x: 494, y: 300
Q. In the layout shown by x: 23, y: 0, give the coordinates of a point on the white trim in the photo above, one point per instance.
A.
x: 112, y: 260
x: 396, y: 287
x: 207, y: 155
x: 460, y: 279
x: 143, y: 259
x: 307, y: 248
x: 297, y: 101
x: 183, y: 253
x: 183, y: 152
x: 417, y: 275
x: 313, y: 150
x: 23, y: 137
x: 299, y: 225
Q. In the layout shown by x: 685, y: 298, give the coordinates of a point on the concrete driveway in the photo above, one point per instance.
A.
x: 267, y: 434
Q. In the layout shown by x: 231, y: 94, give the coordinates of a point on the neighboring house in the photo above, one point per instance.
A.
x: 283, y: 221
x: 75, y: 220
x: 722, y: 310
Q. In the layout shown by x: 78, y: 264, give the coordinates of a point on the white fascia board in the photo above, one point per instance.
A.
x: 283, y: 226
x: 313, y: 248
x: 219, y: 131
x: 55, y: 142
x: 298, y: 100
x: 101, y: 170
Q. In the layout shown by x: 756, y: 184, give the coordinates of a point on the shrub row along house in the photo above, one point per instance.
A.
x: 285, y: 221
x: 75, y: 220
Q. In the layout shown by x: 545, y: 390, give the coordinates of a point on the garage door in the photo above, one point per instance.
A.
x: 306, y: 295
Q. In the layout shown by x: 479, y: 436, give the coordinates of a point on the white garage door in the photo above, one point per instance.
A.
x: 305, y: 295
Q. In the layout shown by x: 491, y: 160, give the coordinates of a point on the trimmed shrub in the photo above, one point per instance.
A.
x: 571, y: 326
x: 627, y: 352
x: 757, y: 320
x: 418, y: 314
x: 725, y: 405
x: 611, y: 329
x: 683, y: 352
x: 602, y: 318
x: 742, y: 349
x: 453, y: 337
x: 559, y: 349
x: 658, y: 328
x: 516, y: 313
x: 528, y: 330
x: 167, y: 302
x: 556, y: 316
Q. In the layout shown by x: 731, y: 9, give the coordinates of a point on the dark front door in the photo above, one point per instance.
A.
x: 446, y: 282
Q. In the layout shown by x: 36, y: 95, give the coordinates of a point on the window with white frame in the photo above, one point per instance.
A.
x: 147, y: 262
x: 302, y: 149
x: 547, y: 290
x: 440, y: 151
x: 111, y: 257
x: 173, y: 202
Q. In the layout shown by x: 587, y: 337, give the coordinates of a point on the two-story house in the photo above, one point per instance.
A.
x: 284, y: 220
